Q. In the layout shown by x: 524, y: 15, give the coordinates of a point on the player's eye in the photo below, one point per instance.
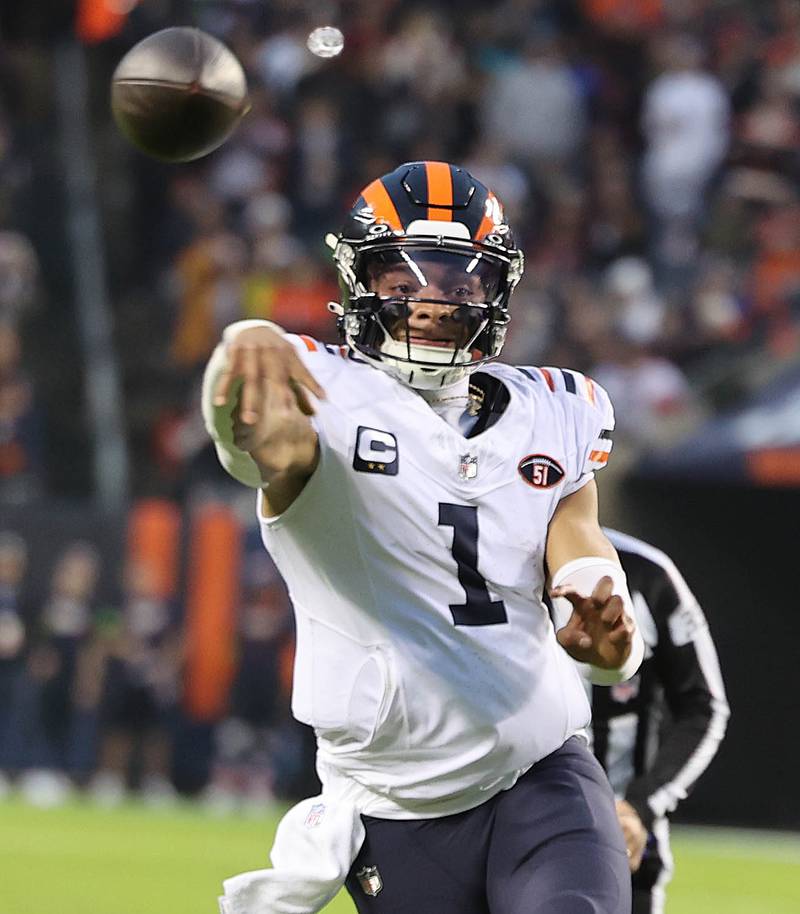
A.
x: 402, y: 288
x: 462, y: 294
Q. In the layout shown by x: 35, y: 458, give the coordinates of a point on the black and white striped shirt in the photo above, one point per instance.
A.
x: 656, y: 733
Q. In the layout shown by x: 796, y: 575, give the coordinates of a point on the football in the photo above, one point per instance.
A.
x: 178, y: 94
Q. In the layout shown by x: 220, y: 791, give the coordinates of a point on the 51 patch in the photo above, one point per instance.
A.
x: 540, y: 471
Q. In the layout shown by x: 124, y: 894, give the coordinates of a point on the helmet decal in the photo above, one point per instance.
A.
x: 493, y: 219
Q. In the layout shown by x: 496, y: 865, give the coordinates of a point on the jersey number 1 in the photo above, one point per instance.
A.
x: 479, y: 609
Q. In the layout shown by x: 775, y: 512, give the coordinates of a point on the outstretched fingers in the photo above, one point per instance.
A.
x: 603, y: 590
x: 258, y: 368
x: 602, y: 601
x: 622, y: 633
x: 252, y: 371
x: 300, y: 374
x: 573, y: 637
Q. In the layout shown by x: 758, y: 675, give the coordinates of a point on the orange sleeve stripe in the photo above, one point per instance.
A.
x: 599, y: 456
x: 590, y: 389
x: 440, y: 191
x: 310, y: 343
x: 382, y: 204
x: 548, y: 377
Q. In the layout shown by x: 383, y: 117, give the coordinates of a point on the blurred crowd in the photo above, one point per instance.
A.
x: 647, y: 154
x: 100, y: 690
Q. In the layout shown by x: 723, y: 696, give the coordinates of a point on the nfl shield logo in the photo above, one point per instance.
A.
x: 468, y: 467
x: 370, y: 880
x: 315, y: 815
x: 624, y: 692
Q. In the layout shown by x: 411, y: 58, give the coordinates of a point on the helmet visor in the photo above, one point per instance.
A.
x: 432, y: 274
x: 431, y: 304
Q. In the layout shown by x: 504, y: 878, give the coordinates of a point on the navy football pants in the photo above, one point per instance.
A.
x: 549, y: 845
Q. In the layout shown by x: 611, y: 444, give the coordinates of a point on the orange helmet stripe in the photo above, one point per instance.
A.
x: 376, y: 196
x: 440, y: 191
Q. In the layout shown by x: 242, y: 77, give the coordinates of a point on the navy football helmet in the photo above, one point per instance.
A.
x: 426, y: 236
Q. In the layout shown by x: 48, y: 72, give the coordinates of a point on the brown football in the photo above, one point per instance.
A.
x: 178, y: 94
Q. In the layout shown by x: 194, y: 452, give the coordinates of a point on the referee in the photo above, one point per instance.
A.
x: 656, y: 733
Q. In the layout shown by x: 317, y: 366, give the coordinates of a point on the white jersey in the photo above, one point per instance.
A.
x: 426, y: 661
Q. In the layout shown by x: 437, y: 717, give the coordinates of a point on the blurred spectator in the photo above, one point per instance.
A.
x: 423, y: 58
x: 283, y: 60
x: 638, y: 310
x: 488, y: 164
x: 140, y: 674
x: 19, y: 275
x: 685, y: 121
x: 13, y: 622
x: 652, y: 398
x: 534, y: 110
x: 317, y: 159
x: 211, y: 274
x: 64, y: 626
x: 776, y: 278
x: 20, y: 431
x: 616, y: 224
x: 717, y: 304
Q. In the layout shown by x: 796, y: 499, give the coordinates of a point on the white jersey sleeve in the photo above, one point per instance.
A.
x: 589, y: 411
x: 320, y: 358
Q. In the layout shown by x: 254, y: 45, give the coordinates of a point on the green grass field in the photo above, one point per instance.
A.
x: 81, y: 860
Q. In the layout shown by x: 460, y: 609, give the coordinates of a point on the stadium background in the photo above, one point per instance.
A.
x: 647, y: 152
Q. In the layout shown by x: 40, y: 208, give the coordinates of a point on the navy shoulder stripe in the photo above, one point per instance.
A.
x: 527, y: 373
x: 569, y: 380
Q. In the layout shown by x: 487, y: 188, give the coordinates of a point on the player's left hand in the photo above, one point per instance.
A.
x: 633, y: 831
x: 599, y: 631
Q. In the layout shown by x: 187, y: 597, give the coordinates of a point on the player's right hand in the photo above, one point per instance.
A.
x: 599, y: 631
x: 269, y: 369
x: 634, y: 832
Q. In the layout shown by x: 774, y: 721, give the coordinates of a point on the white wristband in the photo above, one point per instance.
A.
x: 230, y: 333
x: 219, y: 419
x: 219, y: 424
x: 583, y: 574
